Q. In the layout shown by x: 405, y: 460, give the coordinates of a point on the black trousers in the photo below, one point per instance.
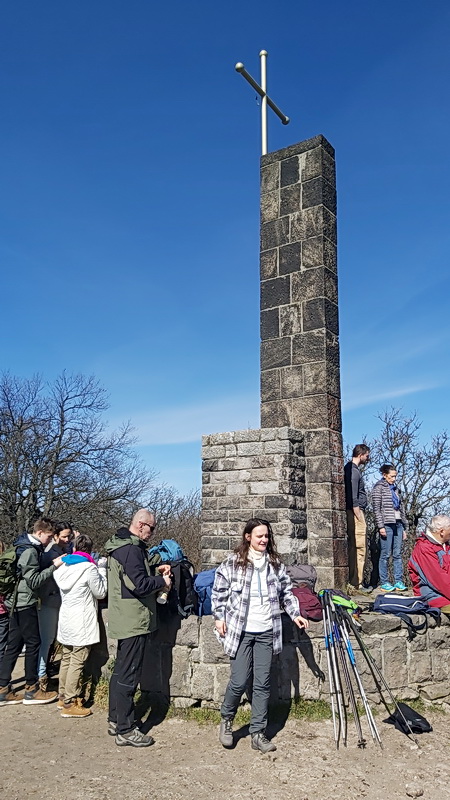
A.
x: 125, y: 680
x: 23, y: 630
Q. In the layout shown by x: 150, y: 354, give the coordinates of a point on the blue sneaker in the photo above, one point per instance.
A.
x: 387, y: 587
x: 399, y: 586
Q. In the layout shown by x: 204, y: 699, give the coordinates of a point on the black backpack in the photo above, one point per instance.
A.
x: 407, y: 720
x: 183, y: 593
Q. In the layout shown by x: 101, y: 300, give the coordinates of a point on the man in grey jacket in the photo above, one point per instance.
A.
x: 356, y: 503
x: 23, y: 622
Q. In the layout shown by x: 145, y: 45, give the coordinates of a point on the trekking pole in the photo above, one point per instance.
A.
x: 370, y: 719
x: 333, y: 699
x: 380, y: 680
x: 342, y: 717
x: 348, y: 681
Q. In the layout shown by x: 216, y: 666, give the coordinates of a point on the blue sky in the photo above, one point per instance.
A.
x: 129, y: 204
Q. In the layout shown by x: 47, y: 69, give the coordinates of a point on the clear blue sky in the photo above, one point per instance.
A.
x: 130, y: 202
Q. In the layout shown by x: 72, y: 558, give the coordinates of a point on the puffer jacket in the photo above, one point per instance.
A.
x: 81, y: 584
x: 383, y: 507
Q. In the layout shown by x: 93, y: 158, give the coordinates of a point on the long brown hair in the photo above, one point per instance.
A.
x: 242, y: 549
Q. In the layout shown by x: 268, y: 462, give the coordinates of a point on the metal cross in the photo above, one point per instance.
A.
x: 265, y: 99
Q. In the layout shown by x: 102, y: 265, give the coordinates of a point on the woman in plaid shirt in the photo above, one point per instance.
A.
x: 251, y: 589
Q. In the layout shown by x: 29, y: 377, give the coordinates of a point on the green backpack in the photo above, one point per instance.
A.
x: 8, y: 571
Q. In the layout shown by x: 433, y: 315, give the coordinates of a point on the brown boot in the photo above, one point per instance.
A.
x: 60, y: 703
x: 43, y: 683
x: 75, y: 709
x: 8, y: 697
x: 35, y: 696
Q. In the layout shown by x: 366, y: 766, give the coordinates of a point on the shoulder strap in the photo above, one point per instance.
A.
x: 414, y: 629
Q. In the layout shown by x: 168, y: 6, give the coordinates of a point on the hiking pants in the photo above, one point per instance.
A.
x: 357, y: 547
x: 48, y: 626
x: 391, y: 544
x: 23, y: 630
x: 72, y: 662
x: 124, y: 682
x: 251, y: 667
x: 4, y: 628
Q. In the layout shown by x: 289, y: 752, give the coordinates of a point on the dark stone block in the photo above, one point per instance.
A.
x: 290, y: 199
x: 329, y: 225
x: 309, y: 346
x: 275, y: 353
x: 332, y: 349
x: 318, y: 191
x: 276, y: 414
x: 270, y: 385
x: 277, y: 501
x: 334, y: 413
x: 307, y: 223
x: 290, y: 258
x: 214, y: 542
x: 275, y: 292
x: 290, y: 320
x: 297, y: 149
x: 315, y: 378
x: 209, y: 465
x: 333, y: 380
x: 335, y: 446
x: 291, y: 382
x: 275, y: 233
x: 313, y: 283
x: 270, y: 178
x: 317, y: 163
x: 340, y: 577
x: 290, y: 171
x: 270, y: 324
x: 316, y: 443
x: 340, y: 552
x: 318, y: 470
x: 320, y: 313
x: 269, y: 264
x: 310, y: 412
x: 270, y: 206
x: 339, y: 522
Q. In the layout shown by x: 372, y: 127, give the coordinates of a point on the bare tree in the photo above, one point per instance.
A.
x: 423, y: 469
x: 58, y: 458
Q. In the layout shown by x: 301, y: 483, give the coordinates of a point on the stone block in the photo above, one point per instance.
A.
x: 420, y: 667
x: 275, y: 353
x: 250, y: 448
x: 291, y: 381
x: 310, y: 412
x: 247, y: 435
x: 213, y: 451
x: 270, y: 177
x: 263, y: 487
x: 268, y: 264
x: 290, y: 258
x: 270, y: 206
x: 278, y: 446
x: 438, y: 637
x: 275, y: 233
x: 440, y: 660
x: 276, y: 413
x: 209, y: 503
x: 334, y: 413
x: 275, y: 292
x: 188, y: 634
x: 290, y: 171
x: 325, y: 574
x: 270, y: 324
x: 317, y: 191
x: 435, y: 691
x: 214, y: 543
x: 320, y: 313
x: 290, y: 320
x: 221, y: 678
x: 202, y: 683
x: 267, y: 434
x: 221, y: 438
x: 290, y: 199
x: 319, y: 523
x: 306, y: 347
x: 184, y: 702
x: 228, y: 502
x: 237, y: 489
x: 180, y: 679
x: 395, y: 659
x: 315, y: 378
x: 318, y: 162
x: 318, y: 495
x: 215, y: 515
x: 298, y: 149
x: 319, y: 252
x: 211, y: 652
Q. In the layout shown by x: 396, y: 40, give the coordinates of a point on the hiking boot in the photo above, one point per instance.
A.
x: 35, y: 696
x: 262, y: 743
x: 134, y: 738
x: 60, y: 703
x: 365, y: 589
x: 43, y: 683
x: 8, y: 697
x: 387, y: 587
x: 112, y: 728
x: 226, y: 732
x: 399, y: 586
x: 75, y: 710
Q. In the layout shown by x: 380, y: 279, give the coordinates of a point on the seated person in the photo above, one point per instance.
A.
x: 429, y: 565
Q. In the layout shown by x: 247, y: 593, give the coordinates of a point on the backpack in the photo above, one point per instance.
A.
x: 404, y: 606
x: 302, y: 575
x: 407, y: 720
x: 183, y: 588
x: 8, y: 571
x: 310, y: 606
x: 203, y: 584
x: 168, y: 550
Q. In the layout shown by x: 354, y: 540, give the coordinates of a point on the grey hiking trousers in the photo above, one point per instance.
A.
x: 250, y: 672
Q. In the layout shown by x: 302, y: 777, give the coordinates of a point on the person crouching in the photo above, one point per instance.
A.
x: 81, y: 583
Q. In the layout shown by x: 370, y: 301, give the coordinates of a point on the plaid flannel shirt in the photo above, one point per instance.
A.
x: 230, y: 598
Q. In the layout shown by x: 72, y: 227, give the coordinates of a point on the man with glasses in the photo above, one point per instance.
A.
x: 131, y: 618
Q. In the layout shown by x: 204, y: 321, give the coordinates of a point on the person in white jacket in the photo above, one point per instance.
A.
x: 81, y: 583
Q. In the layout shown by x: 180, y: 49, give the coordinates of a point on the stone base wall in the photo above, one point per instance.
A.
x: 253, y: 473
x: 186, y: 662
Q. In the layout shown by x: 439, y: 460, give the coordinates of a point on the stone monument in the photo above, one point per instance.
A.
x: 290, y: 471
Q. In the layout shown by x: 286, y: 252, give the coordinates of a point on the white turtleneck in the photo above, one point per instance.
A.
x: 259, y: 615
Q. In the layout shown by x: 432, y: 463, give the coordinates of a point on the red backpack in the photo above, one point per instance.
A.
x: 309, y: 603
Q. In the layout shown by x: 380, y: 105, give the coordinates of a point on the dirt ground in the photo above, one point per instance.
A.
x: 45, y: 756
